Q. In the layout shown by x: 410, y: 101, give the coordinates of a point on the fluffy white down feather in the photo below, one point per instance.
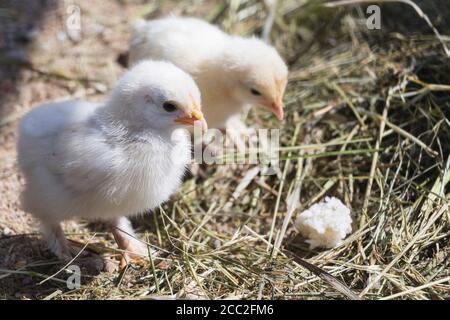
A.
x: 325, y: 224
x: 107, y: 161
x: 227, y: 68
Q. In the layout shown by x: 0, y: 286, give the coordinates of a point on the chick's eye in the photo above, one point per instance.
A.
x: 255, y: 92
x: 169, y: 106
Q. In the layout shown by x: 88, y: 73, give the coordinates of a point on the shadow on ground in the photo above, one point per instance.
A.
x: 28, y: 270
x: 20, y: 21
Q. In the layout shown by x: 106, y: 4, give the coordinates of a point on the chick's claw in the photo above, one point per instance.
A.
x: 133, y: 250
x: 57, y: 243
x: 128, y: 258
x: 136, y: 253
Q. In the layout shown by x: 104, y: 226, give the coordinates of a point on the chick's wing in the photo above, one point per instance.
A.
x: 83, y: 159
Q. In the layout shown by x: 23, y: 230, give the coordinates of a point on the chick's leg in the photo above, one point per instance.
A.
x: 238, y: 133
x: 56, y: 241
x: 133, y: 249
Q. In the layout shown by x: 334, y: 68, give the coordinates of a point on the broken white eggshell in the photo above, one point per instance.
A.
x: 325, y: 224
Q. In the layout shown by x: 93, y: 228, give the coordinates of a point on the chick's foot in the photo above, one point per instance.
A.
x: 239, y: 136
x: 133, y: 250
x: 57, y: 243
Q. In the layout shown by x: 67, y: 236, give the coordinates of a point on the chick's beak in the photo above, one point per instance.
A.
x: 275, y: 104
x: 195, y: 118
x: 277, y: 110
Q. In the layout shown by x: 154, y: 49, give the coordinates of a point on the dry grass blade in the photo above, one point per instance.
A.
x: 413, y: 241
x: 408, y: 2
x: 332, y: 281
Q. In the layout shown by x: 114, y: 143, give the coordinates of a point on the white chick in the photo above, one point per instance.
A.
x: 232, y: 72
x: 112, y: 160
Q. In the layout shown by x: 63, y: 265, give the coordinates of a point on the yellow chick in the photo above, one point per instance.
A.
x: 232, y: 72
